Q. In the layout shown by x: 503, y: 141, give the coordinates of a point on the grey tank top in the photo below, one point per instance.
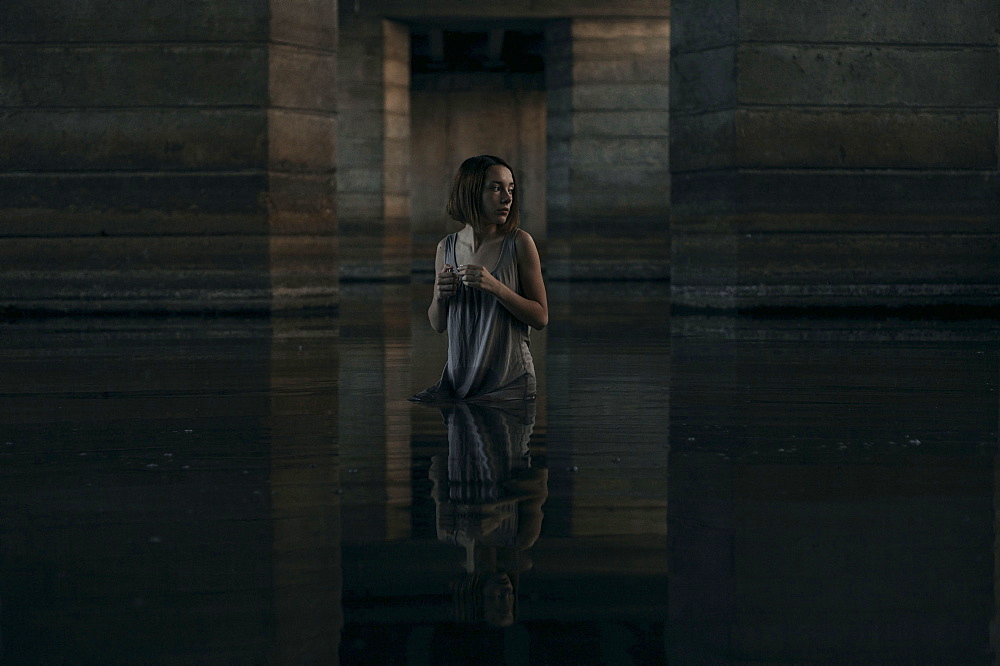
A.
x: 488, y: 356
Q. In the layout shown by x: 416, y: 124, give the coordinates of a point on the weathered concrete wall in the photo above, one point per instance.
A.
x: 826, y: 156
x: 374, y: 129
x: 451, y: 125
x: 165, y: 157
x: 608, y: 170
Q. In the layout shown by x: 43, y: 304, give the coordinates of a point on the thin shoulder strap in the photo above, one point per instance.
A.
x: 510, y: 246
x: 449, y: 249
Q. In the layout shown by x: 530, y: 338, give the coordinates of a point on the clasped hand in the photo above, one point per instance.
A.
x: 446, y: 283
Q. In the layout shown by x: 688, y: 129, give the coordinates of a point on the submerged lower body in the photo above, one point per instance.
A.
x: 447, y: 390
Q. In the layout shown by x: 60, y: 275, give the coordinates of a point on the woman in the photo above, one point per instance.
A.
x: 488, y: 290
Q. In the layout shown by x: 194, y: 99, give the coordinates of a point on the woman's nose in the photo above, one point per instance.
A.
x: 506, y: 197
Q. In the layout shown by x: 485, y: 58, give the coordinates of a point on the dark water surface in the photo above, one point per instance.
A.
x: 695, y: 490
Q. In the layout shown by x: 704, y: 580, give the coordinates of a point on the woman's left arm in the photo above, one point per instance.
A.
x: 533, y: 307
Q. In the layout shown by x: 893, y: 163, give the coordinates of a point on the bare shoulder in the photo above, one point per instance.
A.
x: 524, y: 241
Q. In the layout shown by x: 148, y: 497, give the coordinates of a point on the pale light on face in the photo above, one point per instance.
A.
x: 498, y: 195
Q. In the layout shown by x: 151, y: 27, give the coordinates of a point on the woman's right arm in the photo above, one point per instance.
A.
x: 445, y: 283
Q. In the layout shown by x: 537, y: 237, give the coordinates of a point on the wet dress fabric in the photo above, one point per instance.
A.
x: 488, y: 357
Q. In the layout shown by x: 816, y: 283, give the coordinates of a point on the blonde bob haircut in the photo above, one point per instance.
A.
x: 467, y: 193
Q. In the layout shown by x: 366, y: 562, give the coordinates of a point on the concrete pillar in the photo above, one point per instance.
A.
x: 828, y: 156
x: 374, y: 177
x: 302, y: 153
x: 173, y: 156
x: 608, y: 172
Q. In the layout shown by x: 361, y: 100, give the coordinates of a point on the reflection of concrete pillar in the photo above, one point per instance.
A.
x: 374, y: 156
x: 374, y: 430
x: 608, y: 464
x: 305, y: 504
x: 167, y: 160
x: 801, y: 525
x: 995, y: 622
x: 834, y: 156
x: 608, y: 172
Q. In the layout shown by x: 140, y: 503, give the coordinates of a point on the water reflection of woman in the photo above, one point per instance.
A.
x: 489, y: 501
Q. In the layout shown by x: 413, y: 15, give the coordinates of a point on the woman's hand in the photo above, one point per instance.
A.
x: 445, y: 283
x: 477, y: 277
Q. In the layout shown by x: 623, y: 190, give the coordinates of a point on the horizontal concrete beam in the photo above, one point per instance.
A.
x: 632, y: 204
x: 868, y: 75
x: 610, y: 179
x: 864, y: 138
x: 821, y: 222
x: 305, y: 193
x: 69, y: 291
x: 706, y: 25
x: 88, y: 76
x: 359, y: 205
x: 304, y: 22
x: 302, y: 78
x: 797, y: 258
x: 135, y: 191
x: 571, y: 227
x: 612, y: 97
x: 599, y: 153
x: 57, y: 223
x: 367, y: 179
x: 831, y: 191
x: 136, y: 253
x: 878, y: 139
x: 114, y: 21
x: 611, y: 123
x: 563, y: 72
x: 520, y: 9
x: 623, y: 32
x: 299, y: 141
x: 154, y: 139
x: 971, y: 22
x: 703, y: 81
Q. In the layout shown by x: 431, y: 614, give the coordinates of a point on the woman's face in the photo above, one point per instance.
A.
x: 498, y: 195
x: 498, y: 601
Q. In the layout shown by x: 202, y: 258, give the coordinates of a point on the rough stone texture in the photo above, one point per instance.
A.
x: 608, y: 148
x: 142, y: 146
x: 302, y: 154
x: 825, y: 156
x: 374, y: 139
